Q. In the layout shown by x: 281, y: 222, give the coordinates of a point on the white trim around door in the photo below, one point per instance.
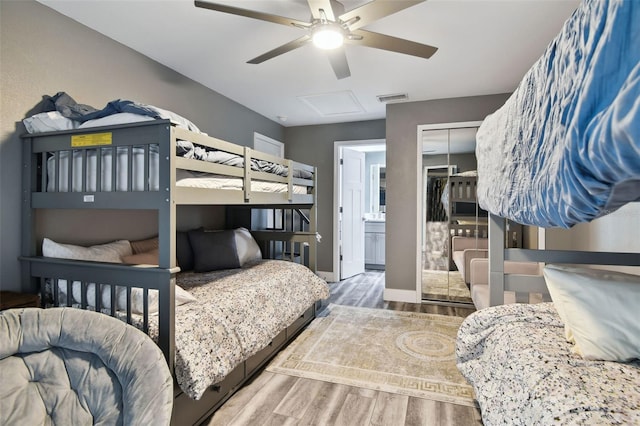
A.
x: 337, y: 146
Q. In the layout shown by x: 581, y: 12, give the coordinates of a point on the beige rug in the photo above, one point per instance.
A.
x: 398, y: 352
x: 447, y: 285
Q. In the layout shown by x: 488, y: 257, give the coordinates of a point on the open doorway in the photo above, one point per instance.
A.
x: 354, y: 195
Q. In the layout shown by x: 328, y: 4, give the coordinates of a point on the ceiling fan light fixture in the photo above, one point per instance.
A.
x: 327, y: 36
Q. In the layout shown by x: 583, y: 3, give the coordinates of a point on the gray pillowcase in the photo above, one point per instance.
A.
x: 184, y: 254
x: 213, y: 250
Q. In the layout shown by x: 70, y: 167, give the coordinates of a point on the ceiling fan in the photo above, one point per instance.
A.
x: 331, y: 26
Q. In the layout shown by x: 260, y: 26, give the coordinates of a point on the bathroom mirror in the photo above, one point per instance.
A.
x: 378, y: 188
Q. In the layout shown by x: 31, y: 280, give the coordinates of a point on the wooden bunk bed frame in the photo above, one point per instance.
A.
x: 36, y: 269
x: 522, y: 285
x: 462, y: 189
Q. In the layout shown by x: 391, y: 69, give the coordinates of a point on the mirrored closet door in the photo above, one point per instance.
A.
x: 452, y: 222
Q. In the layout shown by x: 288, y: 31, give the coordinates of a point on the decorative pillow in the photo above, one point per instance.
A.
x: 147, y: 258
x: 213, y: 250
x: 184, y: 253
x: 247, y: 248
x: 182, y: 296
x: 111, y: 252
x: 600, y: 308
x: 48, y: 122
x: 137, y: 297
x: 144, y: 246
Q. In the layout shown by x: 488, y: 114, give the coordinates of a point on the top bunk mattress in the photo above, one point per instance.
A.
x: 565, y: 147
x: 135, y: 166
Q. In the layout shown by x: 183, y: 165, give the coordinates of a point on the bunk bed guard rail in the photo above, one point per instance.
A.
x: 523, y: 285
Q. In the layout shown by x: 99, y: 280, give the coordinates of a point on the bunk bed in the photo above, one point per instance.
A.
x: 563, y: 150
x: 468, y: 223
x: 158, y: 164
x: 466, y: 220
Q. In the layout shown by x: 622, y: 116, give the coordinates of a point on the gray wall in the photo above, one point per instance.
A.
x: 43, y: 52
x: 617, y: 231
x: 314, y: 145
x: 404, y: 164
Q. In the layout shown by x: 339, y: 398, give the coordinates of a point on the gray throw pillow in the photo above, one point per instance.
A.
x: 184, y: 254
x: 213, y: 250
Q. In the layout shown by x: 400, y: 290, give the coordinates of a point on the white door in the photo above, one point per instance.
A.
x: 268, y: 145
x: 352, y: 219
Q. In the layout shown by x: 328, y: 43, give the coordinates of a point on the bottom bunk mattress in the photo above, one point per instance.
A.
x: 237, y: 313
x: 523, y: 372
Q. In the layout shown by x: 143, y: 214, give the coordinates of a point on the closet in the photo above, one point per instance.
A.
x: 448, y: 207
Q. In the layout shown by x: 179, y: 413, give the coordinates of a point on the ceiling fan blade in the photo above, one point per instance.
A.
x: 393, y: 44
x: 331, y: 8
x: 375, y: 10
x: 252, y: 14
x: 338, y: 59
x: 288, y: 47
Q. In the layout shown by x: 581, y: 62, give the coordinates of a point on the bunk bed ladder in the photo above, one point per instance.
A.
x: 292, y: 225
x: 291, y: 235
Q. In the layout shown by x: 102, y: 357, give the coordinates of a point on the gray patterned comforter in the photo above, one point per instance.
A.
x: 239, y: 311
x: 523, y: 373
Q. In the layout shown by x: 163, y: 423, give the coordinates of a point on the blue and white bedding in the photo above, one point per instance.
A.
x: 565, y: 147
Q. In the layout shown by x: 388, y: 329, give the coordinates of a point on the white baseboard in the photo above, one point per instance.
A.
x: 329, y: 277
x: 406, y: 296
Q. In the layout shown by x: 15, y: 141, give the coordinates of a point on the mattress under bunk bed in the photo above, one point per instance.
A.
x: 563, y: 150
x: 156, y: 165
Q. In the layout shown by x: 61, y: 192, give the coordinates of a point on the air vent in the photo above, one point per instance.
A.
x: 385, y: 99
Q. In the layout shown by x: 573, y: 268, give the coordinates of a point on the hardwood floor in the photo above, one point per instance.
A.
x: 276, y: 399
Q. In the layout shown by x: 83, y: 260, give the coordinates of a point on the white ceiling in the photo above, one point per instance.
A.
x: 485, y: 47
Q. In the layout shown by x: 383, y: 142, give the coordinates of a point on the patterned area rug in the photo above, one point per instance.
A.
x: 444, y: 285
x: 398, y: 352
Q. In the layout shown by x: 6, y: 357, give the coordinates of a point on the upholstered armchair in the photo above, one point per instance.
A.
x: 69, y: 366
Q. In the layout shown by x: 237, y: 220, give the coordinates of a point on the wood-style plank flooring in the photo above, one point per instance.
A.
x: 277, y: 399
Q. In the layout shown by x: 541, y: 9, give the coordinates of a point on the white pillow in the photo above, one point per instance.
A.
x: 247, y: 248
x: 137, y: 297
x: 600, y: 308
x: 110, y: 252
x: 119, y: 118
x: 48, y: 122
